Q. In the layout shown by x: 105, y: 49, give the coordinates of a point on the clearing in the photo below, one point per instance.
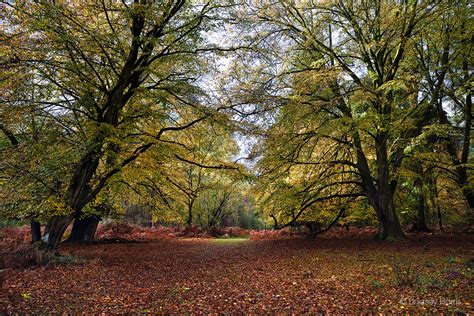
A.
x: 350, y: 274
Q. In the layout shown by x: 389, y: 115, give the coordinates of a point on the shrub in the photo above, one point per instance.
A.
x: 193, y: 231
x: 117, y: 230
x: 27, y: 257
x: 15, y: 235
x: 232, y: 231
x: 270, y: 234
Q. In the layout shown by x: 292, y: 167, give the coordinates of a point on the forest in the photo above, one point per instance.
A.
x: 225, y: 157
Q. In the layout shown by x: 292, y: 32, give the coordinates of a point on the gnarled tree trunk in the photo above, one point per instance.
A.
x: 35, y: 231
x: 79, y: 196
x: 389, y: 228
x: 55, y: 229
x: 83, y: 229
x: 389, y: 225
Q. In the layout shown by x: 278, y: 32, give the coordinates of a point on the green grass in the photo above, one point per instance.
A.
x: 231, y: 240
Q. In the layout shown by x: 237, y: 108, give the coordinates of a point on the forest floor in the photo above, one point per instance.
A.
x: 352, y: 273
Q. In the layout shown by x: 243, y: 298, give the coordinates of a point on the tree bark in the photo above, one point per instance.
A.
x: 463, y: 178
x: 466, y: 146
x: 440, y: 219
x: 190, y: 212
x: 35, y: 231
x: 11, y: 137
x: 83, y: 230
x: 433, y: 195
x: 390, y: 228
x: 421, y: 176
x: 55, y: 229
x: 420, y: 224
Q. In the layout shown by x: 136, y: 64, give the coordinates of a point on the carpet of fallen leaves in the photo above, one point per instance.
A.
x: 355, y: 273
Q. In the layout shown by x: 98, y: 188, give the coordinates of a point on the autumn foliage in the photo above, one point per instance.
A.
x: 136, y: 233
x: 344, y: 271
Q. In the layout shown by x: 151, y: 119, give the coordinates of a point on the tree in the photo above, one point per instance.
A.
x: 202, y: 162
x: 443, y: 51
x: 31, y: 177
x: 112, y: 70
x: 346, y: 71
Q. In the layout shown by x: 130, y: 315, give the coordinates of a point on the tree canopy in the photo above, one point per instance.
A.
x: 354, y: 111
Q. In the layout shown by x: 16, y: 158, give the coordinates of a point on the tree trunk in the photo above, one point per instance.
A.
x: 433, y: 189
x: 420, y: 224
x: 440, y: 219
x: 79, y: 194
x: 380, y: 197
x: 83, y: 230
x: 466, y: 146
x: 35, y: 231
x: 55, y: 229
x: 190, y: 213
x: 469, y: 196
x: 381, y: 200
x: 389, y: 228
x: 199, y: 220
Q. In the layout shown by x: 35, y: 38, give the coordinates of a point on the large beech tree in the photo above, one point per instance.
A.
x: 346, y: 86
x: 443, y: 54
x: 122, y: 73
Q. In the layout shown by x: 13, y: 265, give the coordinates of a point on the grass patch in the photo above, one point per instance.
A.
x: 230, y: 241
